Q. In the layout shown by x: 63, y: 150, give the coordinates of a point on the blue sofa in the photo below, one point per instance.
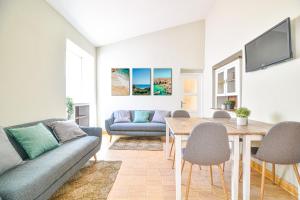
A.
x: 38, y: 179
x: 135, y: 129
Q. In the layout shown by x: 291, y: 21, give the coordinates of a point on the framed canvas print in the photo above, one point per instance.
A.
x: 120, y: 82
x: 162, y: 83
x: 141, y: 81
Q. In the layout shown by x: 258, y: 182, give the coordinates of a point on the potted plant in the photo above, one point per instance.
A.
x: 242, y: 115
x: 229, y: 104
x: 70, y: 107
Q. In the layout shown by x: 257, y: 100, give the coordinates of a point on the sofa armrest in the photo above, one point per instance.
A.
x: 92, y: 131
x: 108, y: 123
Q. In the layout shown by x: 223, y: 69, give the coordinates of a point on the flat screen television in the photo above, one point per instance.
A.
x: 274, y: 46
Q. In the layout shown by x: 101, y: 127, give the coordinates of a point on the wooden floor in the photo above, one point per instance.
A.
x: 146, y: 175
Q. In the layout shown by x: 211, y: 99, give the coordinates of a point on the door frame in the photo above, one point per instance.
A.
x: 199, y: 77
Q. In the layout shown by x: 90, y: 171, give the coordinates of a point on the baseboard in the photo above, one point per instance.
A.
x: 290, y: 188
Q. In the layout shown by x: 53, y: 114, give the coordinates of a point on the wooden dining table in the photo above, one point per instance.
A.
x: 181, y: 128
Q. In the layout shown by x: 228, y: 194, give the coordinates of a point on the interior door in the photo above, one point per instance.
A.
x: 190, y: 98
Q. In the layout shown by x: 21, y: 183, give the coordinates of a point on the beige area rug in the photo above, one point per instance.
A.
x: 138, y: 143
x: 92, y: 182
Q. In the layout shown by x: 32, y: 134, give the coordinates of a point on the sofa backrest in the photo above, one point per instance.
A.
x: 18, y: 148
x: 132, y: 114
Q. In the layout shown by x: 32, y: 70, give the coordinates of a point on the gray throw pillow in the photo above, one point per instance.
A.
x: 159, y: 116
x: 66, y: 130
x: 122, y: 116
x: 9, y: 157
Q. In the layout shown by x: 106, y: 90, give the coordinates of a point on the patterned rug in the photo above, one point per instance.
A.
x: 92, y: 182
x: 138, y: 143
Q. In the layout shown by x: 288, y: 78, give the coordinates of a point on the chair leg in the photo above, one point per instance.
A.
x: 110, y: 138
x: 224, y: 167
x: 223, y: 181
x: 188, y: 183
x: 211, y: 175
x: 262, y: 187
x: 296, y: 173
x: 274, y: 173
x: 182, y: 166
x: 172, y: 145
x: 241, y: 173
x: 200, y: 167
x: 95, y: 157
x: 173, y: 161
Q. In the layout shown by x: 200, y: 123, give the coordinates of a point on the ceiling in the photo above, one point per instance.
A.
x: 108, y: 21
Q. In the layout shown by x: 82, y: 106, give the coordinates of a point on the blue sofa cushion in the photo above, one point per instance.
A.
x: 31, y: 179
x: 138, y: 127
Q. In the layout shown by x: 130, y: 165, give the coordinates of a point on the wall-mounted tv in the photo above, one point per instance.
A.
x: 272, y: 47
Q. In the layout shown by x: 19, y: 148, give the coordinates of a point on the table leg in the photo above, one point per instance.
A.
x: 167, y: 141
x: 246, y: 167
x: 235, y: 168
x: 178, y: 158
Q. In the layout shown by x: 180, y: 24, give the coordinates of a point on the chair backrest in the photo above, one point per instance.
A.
x: 281, y: 144
x: 181, y: 114
x: 221, y: 114
x: 207, y: 145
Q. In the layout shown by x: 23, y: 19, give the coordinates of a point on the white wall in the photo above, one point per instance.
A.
x: 32, y: 60
x: 271, y: 94
x: 179, y: 47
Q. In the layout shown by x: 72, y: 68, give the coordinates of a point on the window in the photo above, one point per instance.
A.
x: 80, y: 77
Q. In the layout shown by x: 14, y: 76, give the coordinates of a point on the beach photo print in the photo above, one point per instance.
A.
x: 162, y: 81
x: 120, y: 82
x: 141, y: 81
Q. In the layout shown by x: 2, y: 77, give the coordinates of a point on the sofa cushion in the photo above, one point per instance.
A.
x: 138, y: 127
x: 121, y: 116
x: 9, y: 157
x: 35, y: 140
x: 31, y: 179
x: 66, y: 130
x: 141, y: 116
x: 159, y: 116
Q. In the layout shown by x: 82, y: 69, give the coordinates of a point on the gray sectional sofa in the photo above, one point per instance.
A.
x: 135, y: 129
x: 38, y: 179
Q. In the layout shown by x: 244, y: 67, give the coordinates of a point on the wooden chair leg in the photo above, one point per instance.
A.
x: 223, y: 181
x: 274, y: 173
x: 211, y: 175
x: 200, y: 167
x: 173, y: 164
x: 296, y: 173
x: 172, y: 145
x: 95, y: 157
x: 241, y: 173
x: 182, y: 166
x: 223, y: 167
x: 262, y: 187
x: 110, y: 138
x: 188, y: 183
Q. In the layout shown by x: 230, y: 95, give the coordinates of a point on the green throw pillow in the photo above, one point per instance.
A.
x: 141, y: 116
x: 35, y: 140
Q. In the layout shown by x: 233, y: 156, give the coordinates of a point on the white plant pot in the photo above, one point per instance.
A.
x: 223, y: 107
x: 241, y: 121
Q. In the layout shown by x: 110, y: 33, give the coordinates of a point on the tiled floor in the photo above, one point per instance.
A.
x: 146, y: 175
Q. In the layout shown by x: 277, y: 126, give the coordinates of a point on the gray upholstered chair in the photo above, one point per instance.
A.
x: 280, y: 146
x: 224, y: 115
x: 221, y: 114
x: 208, y: 145
x: 177, y: 114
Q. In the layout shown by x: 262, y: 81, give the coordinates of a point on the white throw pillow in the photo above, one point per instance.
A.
x: 9, y: 157
x: 122, y: 116
x: 159, y: 116
x: 66, y: 130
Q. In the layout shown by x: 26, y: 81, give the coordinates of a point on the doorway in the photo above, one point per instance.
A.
x: 191, y: 100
